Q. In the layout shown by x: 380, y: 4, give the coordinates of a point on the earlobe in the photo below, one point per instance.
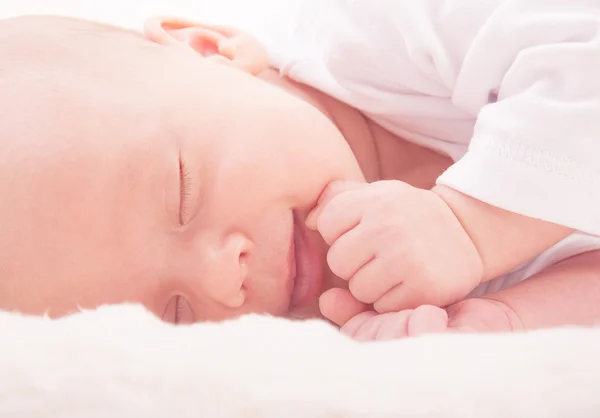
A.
x: 222, y: 44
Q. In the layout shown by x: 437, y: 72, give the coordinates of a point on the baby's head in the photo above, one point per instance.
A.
x: 160, y: 168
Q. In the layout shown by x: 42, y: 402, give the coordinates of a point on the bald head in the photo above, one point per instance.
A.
x: 37, y: 32
x: 62, y: 79
x: 79, y: 99
x: 48, y: 50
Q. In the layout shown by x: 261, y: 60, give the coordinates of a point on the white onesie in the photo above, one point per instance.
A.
x: 509, y: 89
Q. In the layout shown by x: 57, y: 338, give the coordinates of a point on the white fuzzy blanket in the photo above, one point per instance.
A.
x: 123, y: 362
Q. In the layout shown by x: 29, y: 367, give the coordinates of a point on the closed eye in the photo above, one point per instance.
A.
x: 179, y: 311
x: 185, y: 188
x: 184, y: 314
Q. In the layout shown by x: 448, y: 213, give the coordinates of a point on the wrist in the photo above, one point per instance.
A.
x: 466, y: 247
x: 503, y: 239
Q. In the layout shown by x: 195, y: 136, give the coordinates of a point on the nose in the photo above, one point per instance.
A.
x: 224, y: 269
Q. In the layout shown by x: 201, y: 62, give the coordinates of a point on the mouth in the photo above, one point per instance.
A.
x: 307, y: 267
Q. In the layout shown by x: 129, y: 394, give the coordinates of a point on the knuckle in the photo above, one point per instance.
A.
x: 361, y: 290
x: 392, y: 266
x: 383, y: 306
x: 380, y: 204
x: 326, y: 229
x: 390, y: 269
x: 338, y: 263
x: 329, y: 228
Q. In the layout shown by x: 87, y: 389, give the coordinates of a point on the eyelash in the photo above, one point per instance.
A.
x: 185, y: 188
x: 178, y: 310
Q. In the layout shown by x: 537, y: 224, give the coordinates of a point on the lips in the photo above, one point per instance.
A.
x: 307, y: 265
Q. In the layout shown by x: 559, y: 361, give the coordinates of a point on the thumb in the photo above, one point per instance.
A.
x: 339, y: 306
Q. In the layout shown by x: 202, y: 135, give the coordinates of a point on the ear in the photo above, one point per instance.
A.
x: 222, y: 44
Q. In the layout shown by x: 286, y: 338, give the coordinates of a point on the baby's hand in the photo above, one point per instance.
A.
x: 371, y: 326
x: 399, y: 247
x: 470, y: 315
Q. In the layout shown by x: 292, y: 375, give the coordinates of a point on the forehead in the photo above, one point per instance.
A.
x: 66, y: 80
x: 59, y: 31
x: 43, y: 54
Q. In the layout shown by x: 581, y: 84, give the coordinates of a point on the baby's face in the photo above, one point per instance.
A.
x: 163, y: 178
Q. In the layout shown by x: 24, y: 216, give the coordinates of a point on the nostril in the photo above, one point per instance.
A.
x: 241, y: 246
x: 243, y: 266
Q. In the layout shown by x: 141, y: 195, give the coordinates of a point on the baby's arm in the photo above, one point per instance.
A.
x: 565, y: 294
x: 503, y: 239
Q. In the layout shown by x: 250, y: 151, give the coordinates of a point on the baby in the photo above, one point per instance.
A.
x: 377, y: 167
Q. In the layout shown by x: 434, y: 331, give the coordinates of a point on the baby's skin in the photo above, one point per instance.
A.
x: 409, y: 265
x: 175, y: 169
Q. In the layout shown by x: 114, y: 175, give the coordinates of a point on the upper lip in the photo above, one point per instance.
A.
x: 305, y: 274
x: 291, y: 261
x: 292, y: 256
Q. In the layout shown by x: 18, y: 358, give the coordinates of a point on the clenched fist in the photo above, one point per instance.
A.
x: 398, y: 247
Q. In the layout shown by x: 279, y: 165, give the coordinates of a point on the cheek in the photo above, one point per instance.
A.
x: 261, y: 180
x: 289, y: 163
x: 252, y: 181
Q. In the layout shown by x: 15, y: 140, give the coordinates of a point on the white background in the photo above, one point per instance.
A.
x: 131, y: 13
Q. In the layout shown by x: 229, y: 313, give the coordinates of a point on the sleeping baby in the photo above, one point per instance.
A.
x: 394, y: 168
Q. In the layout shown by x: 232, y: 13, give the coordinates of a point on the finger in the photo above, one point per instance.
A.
x: 395, y: 325
x: 374, y: 280
x: 360, y: 326
x: 338, y: 214
x: 399, y: 297
x: 339, y: 306
x: 351, y: 252
x: 333, y: 189
x: 427, y: 319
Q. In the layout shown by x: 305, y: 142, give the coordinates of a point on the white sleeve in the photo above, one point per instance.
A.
x: 536, y: 146
x: 518, y: 81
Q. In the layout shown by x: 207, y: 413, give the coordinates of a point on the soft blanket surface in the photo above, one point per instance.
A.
x: 123, y: 362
